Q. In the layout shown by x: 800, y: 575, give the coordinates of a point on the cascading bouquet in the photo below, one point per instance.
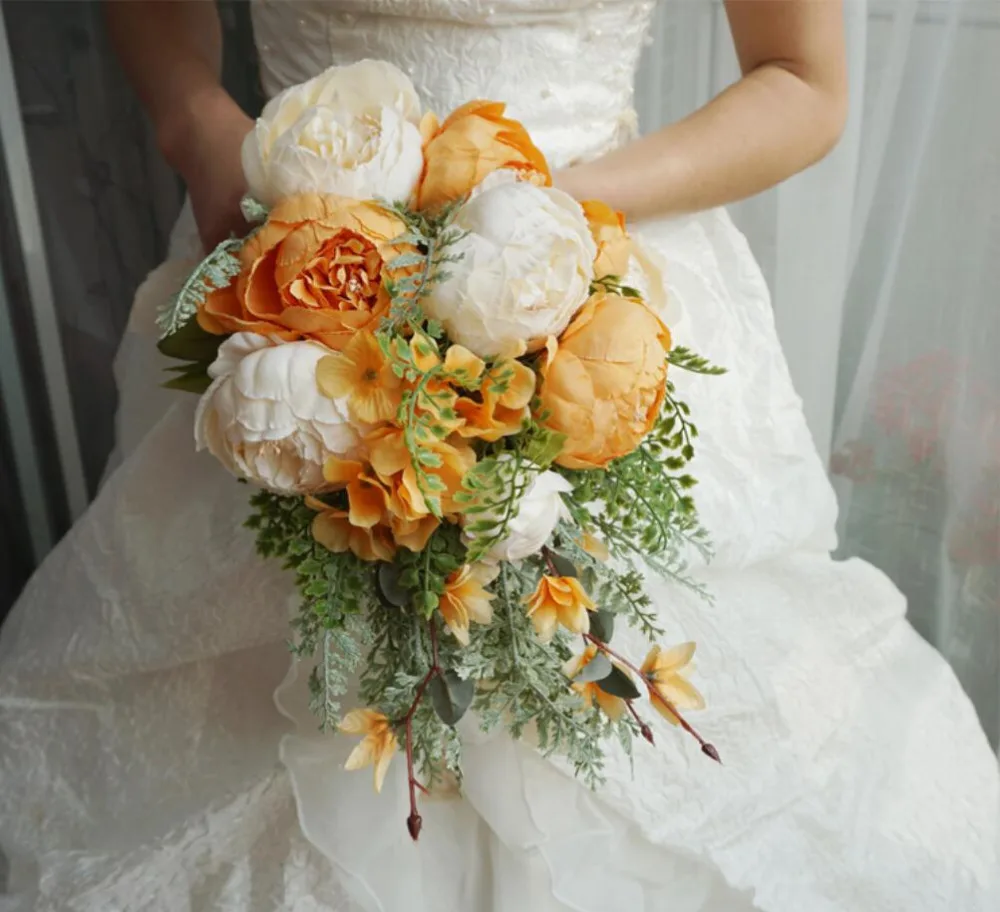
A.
x: 456, y: 407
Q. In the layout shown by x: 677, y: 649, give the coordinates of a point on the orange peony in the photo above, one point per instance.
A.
x: 614, y: 246
x: 316, y: 269
x: 559, y: 600
x: 604, y: 380
x: 473, y: 142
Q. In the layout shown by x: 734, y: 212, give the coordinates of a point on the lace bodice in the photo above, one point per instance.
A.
x: 565, y: 67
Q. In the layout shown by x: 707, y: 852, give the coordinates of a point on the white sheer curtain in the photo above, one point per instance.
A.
x: 884, y: 264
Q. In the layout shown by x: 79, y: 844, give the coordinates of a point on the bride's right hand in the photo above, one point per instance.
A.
x: 203, y: 146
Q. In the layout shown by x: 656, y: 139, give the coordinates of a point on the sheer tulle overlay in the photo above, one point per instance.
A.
x: 155, y: 747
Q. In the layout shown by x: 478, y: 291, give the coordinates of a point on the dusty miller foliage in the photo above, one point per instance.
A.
x: 217, y: 270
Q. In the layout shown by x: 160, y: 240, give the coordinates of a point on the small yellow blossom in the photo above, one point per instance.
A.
x: 559, y: 600
x: 376, y: 747
x: 664, y: 670
x: 466, y: 599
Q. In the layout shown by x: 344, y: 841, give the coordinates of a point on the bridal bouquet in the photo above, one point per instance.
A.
x: 455, y: 404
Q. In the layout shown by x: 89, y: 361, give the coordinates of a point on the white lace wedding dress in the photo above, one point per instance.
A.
x: 145, y: 763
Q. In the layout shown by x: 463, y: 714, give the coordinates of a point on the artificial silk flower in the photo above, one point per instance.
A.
x: 363, y: 377
x: 614, y: 246
x: 316, y: 269
x: 502, y: 405
x: 264, y: 419
x: 378, y: 743
x: 333, y: 529
x: 604, y: 380
x: 559, y: 600
x: 535, y: 516
x: 351, y: 131
x: 466, y: 599
x: 664, y: 670
x: 523, y: 268
x: 475, y: 141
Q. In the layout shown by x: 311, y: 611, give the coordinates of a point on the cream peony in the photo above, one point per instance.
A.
x: 265, y: 419
x: 540, y: 509
x: 350, y: 131
x: 525, y: 267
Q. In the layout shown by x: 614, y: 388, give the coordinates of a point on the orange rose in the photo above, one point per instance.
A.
x: 472, y: 143
x: 614, y: 246
x: 315, y: 270
x: 604, y: 380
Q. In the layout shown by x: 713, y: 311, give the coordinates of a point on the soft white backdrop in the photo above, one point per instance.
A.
x: 884, y: 264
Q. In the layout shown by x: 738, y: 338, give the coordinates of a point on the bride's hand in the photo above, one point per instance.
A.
x: 203, y: 146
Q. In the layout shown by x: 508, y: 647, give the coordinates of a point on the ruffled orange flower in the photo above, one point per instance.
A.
x: 559, y: 600
x: 502, y: 404
x: 376, y: 747
x: 473, y: 142
x: 384, y: 495
x: 612, y: 706
x: 466, y: 599
x: 334, y: 531
x: 604, y: 380
x: 316, y: 269
x: 362, y: 375
x: 614, y: 246
x: 664, y: 670
x: 380, y: 503
x: 437, y: 395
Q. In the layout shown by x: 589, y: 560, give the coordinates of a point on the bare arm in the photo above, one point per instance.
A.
x: 172, y: 53
x: 786, y: 113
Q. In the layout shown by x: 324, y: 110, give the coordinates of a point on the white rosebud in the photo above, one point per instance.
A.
x: 265, y: 419
x: 523, y: 270
x: 350, y: 131
x: 539, y: 511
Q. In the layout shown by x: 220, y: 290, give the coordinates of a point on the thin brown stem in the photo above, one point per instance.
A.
x: 414, y: 822
x: 644, y: 728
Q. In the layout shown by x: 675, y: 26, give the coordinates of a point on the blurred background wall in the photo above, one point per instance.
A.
x: 884, y: 262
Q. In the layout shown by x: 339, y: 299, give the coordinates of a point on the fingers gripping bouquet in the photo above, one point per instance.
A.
x: 459, y: 418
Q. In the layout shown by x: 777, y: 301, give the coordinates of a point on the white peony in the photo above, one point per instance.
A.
x: 524, y: 268
x: 540, y: 509
x: 265, y: 419
x: 350, y: 131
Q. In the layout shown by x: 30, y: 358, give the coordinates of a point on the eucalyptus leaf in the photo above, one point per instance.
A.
x: 191, y: 343
x: 563, y: 565
x: 619, y: 684
x: 602, y: 625
x: 451, y: 696
x: 390, y: 590
x: 597, y: 669
x: 189, y: 383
